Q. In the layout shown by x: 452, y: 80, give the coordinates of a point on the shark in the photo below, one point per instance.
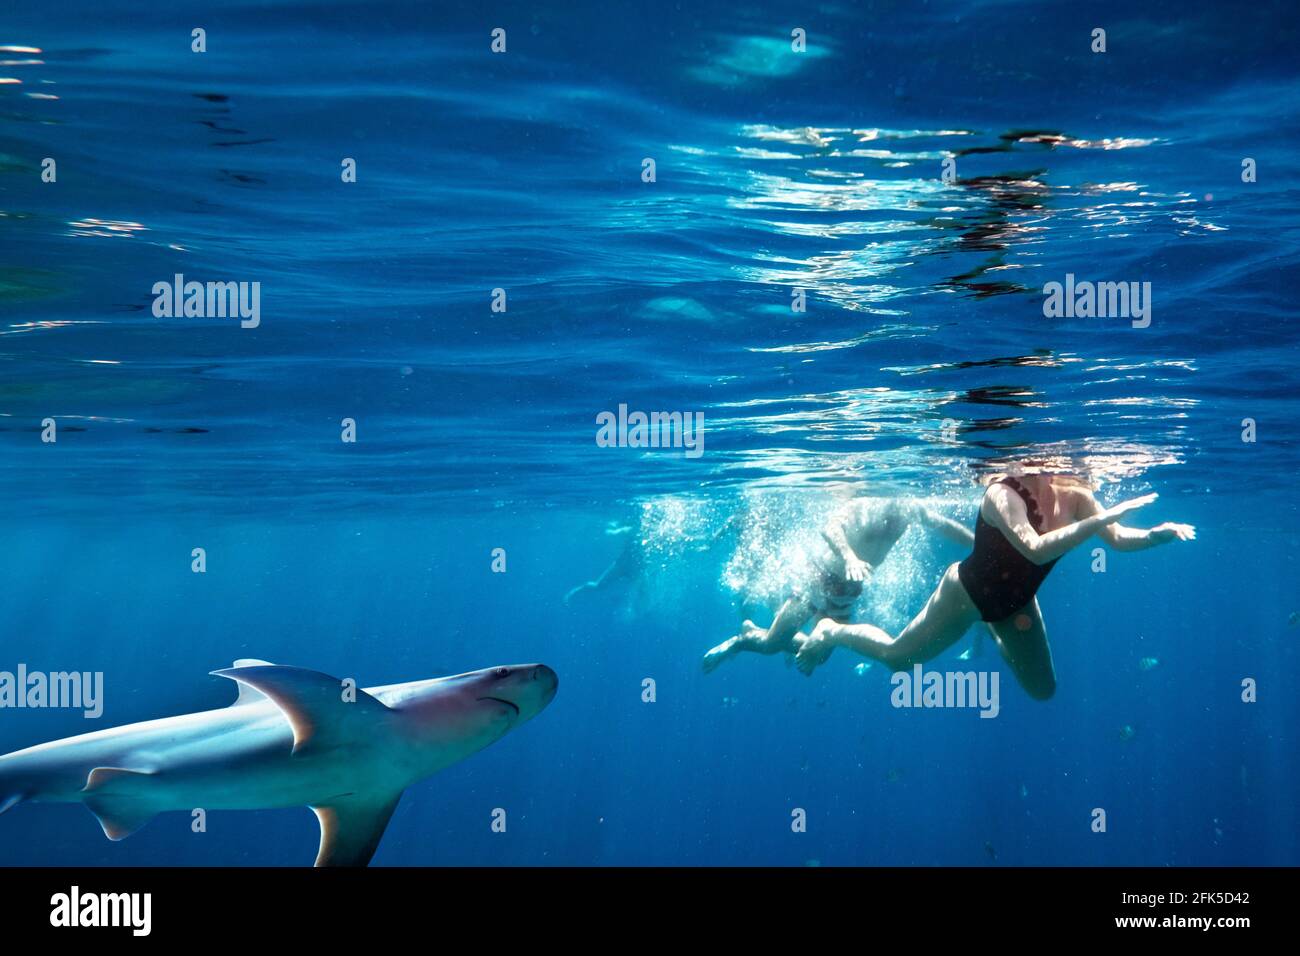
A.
x: 293, y: 737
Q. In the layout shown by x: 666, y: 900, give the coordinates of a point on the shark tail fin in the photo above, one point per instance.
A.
x: 114, y: 796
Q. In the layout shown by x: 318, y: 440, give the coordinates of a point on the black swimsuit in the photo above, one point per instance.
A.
x: 999, y: 579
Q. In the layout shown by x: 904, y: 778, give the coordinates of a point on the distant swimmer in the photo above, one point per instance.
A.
x: 627, y: 567
x: 1025, y: 525
x: 623, y: 569
x: 855, y: 540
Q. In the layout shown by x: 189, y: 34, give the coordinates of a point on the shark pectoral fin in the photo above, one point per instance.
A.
x: 113, y: 796
x: 11, y: 801
x: 321, y: 710
x: 352, y: 826
x: 248, y: 694
x: 119, y: 816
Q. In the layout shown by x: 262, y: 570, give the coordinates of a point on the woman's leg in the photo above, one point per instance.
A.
x: 941, y: 623
x: 772, y: 640
x: 1022, y: 639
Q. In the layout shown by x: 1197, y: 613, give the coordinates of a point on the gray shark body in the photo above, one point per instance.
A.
x: 294, y: 737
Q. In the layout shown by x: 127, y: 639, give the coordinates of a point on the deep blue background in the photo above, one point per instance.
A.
x: 522, y: 171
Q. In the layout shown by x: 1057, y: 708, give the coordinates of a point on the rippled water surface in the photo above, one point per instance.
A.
x: 776, y: 172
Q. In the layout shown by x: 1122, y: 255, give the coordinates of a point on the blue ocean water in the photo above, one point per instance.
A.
x: 923, y: 353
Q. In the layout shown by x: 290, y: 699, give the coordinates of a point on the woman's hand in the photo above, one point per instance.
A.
x: 1169, y: 531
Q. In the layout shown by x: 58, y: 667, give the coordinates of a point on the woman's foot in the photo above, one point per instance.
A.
x: 814, y: 649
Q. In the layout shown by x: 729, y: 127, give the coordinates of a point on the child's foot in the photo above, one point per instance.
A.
x: 814, y: 649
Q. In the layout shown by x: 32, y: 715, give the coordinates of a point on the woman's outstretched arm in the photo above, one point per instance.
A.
x: 1013, y: 520
x: 1122, y: 538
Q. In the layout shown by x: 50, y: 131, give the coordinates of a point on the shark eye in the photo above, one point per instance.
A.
x: 501, y: 672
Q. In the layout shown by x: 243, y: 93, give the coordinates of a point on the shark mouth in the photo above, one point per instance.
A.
x: 508, y: 703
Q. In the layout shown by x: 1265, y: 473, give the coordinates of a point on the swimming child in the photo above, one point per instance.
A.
x: 855, y: 540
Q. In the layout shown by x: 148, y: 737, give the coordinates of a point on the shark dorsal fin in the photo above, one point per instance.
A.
x: 314, y: 703
x: 248, y: 694
x: 351, y: 827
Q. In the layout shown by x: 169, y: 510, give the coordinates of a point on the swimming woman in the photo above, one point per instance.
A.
x: 1025, y: 525
x: 855, y: 539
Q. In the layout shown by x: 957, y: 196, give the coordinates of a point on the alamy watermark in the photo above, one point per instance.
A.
x: 651, y: 430
x: 209, y: 300
x: 921, y: 688
x: 74, y: 908
x: 82, y: 690
x: 1103, y: 300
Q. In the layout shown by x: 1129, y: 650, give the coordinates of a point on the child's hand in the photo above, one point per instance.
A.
x: 855, y: 569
